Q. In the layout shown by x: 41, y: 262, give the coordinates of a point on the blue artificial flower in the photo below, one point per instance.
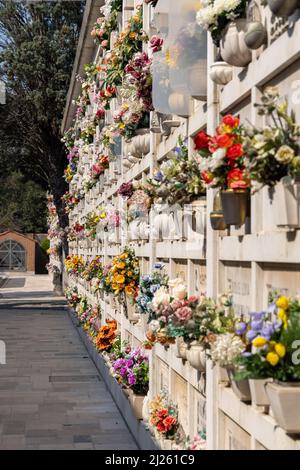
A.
x: 159, y: 176
x: 158, y: 265
x: 154, y: 288
x: 272, y: 308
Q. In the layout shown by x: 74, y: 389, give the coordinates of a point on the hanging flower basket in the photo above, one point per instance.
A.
x: 256, y: 35
x: 196, y: 356
x: 283, y: 8
x: 232, y: 46
x: 220, y: 73
x: 140, y: 143
x: 287, y: 201
x: 181, y: 348
x: 284, y: 400
x: 235, y: 206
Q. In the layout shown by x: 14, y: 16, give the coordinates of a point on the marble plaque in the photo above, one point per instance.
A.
x: 284, y: 279
x: 180, y: 397
x: 235, y: 437
x: 162, y: 375
x: 198, y: 280
x: 237, y: 280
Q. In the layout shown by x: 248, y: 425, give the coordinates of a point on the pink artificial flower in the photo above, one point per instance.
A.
x: 156, y: 43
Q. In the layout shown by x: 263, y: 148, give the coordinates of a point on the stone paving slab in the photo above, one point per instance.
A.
x: 51, y: 394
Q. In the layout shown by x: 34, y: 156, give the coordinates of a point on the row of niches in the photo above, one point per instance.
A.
x: 263, y: 331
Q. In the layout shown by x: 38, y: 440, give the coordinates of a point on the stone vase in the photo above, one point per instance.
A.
x: 232, y: 46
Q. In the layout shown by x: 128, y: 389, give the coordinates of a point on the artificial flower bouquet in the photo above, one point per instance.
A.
x: 210, y: 319
x: 91, y: 221
x: 107, y: 23
x: 74, y: 264
x: 127, y: 44
x: 178, y: 181
x: 214, y: 15
x: 172, y: 310
x: 163, y: 416
x: 132, y: 371
x: 93, y: 269
x: 222, y: 160
x: 75, y: 232
x: 123, y: 275
x: 274, y: 151
x: 148, y: 286
x: 106, y: 336
x: 72, y: 296
x: 271, y: 339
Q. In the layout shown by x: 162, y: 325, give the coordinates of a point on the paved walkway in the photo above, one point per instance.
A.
x: 51, y: 395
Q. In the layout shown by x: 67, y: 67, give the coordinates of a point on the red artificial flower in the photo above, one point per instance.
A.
x: 169, y: 422
x: 206, y: 177
x: 201, y: 140
x: 235, y: 151
x: 236, y: 179
x: 231, y: 121
x: 220, y: 141
x: 160, y: 426
x: 100, y: 114
x: 162, y: 413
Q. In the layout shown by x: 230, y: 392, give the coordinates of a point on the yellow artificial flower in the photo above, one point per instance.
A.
x: 132, y: 35
x: 121, y: 265
x: 282, y: 314
x: 135, y: 18
x: 272, y: 358
x: 280, y: 349
x: 283, y: 302
x: 259, y: 342
x: 120, y: 279
x: 129, y: 290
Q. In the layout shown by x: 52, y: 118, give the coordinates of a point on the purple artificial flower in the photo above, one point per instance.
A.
x: 257, y: 325
x: 156, y: 43
x: 247, y: 354
x: 240, y: 328
x: 267, y: 331
x: 158, y: 265
x: 131, y: 379
x: 123, y: 371
x: 257, y: 316
x: 250, y: 335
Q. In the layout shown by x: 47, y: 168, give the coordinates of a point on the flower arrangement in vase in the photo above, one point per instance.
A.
x: 222, y: 163
x: 163, y: 417
x: 74, y: 264
x: 106, y: 336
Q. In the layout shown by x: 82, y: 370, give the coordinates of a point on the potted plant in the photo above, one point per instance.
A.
x: 272, y: 156
x: 163, y: 418
x: 282, y: 354
x: 133, y: 373
x: 222, y: 165
x: 228, y: 26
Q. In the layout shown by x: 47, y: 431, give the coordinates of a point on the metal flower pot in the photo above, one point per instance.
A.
x: 235, y: 206
x: 217, y: 220
x: 283, y: 8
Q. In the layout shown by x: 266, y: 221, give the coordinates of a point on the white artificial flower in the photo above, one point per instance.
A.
x: 217, y: 159
x: 161, y: 297
x: 226, y: 348
x: 285, y: 154
x: 154, y: 326
x: 180, y: 292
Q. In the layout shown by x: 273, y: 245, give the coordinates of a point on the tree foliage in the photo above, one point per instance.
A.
x: 38, y: 43
x: 23, y: 205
